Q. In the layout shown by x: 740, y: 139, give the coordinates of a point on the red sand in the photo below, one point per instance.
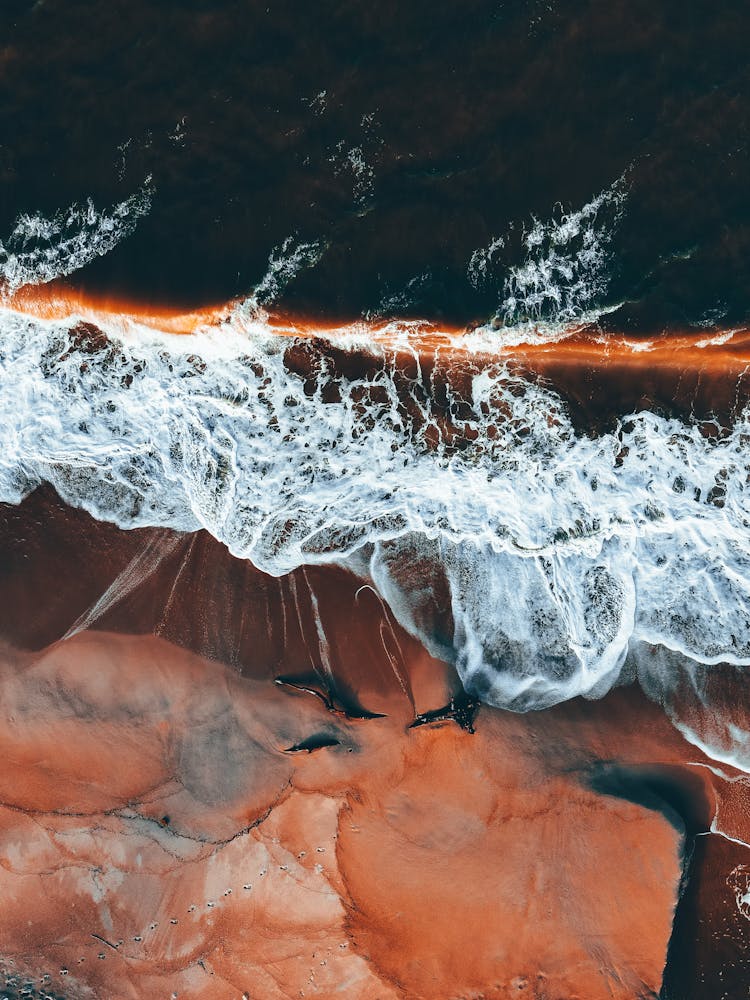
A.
x: 141, y: 781
x: 173, y: 823
x: 145, y: 786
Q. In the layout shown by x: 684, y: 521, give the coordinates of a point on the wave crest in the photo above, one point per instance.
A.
x: 563, y: 277
x: 43, y: 248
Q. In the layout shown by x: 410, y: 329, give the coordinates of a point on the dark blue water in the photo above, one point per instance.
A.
x: 400, y: 137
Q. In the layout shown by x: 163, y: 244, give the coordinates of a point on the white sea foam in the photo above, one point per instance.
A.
x: 738, y: 881
x: 564, y: 275
x: 482, y: 262
x: 705, y: 700
x: 285, y: 262
x: 565, y: 270
x: 562, y: 555
x: 42, y: 248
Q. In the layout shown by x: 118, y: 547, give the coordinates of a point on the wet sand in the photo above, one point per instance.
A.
x: 176, y: 821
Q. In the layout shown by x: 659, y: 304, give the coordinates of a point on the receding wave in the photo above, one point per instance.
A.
x: 542, y: 560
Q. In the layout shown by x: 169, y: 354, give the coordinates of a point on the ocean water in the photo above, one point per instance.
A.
x: 404, y: 142
x: 563, y: 551
x: 387, y: 236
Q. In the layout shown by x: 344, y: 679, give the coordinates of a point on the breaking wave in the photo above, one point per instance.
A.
x: 564, y: 274
x: 540, y: 560
x: 42, y: 248
x: 284, y: 263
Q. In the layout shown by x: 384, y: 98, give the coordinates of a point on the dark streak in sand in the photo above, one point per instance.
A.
x: 461, y: 709
x: 335, y: 697
x: 319, y: 741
